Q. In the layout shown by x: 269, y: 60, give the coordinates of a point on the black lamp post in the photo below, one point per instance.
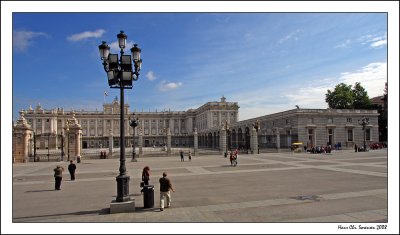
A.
x: 48, y: 147
x: 133, y: 123
x: 62, y: 146
x: 67, y: 130
x: 34, y: 147
x: 226, y: 136
x: 120, y: 75
x: 257, y: 127
x: 363, y: 122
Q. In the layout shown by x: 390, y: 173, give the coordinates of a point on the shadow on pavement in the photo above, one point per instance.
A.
x: 38, y: 191
x: 103, y: 211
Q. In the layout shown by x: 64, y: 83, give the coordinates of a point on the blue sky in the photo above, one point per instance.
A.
x: 268, y: 62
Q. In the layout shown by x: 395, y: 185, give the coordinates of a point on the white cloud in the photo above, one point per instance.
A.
x: 372, y: 77
x: 379, y: 43
x: 344, y: 44
x: 375, y: 41
x: 87, y: 34
x: 150, y: 75
x: 164, y: 86
x: 289, y: 36
x: 22, y: 39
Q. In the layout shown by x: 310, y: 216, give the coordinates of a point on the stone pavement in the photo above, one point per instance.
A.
x: 341, y: 187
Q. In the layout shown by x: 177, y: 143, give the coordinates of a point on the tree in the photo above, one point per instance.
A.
x: 344, y: 97
x: 341, y: 97
x: 361, y: 99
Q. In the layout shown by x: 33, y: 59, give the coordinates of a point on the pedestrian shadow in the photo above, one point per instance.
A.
x: 103, y: 211
x: 143, y: 210
x: 38, y: 191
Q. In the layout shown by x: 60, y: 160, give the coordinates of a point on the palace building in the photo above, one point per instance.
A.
x: 210, y: 122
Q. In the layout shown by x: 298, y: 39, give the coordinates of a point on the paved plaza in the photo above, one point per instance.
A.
x: 341, y: 187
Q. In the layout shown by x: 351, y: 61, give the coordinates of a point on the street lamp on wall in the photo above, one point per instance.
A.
x: 121, y: 74
x: 364, y: 121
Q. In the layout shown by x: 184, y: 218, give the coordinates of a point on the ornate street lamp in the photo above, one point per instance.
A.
x: 363, y: 122
x: 226, y: 137
x: 34, y: 146
x: 120, y: 75
x: 62, y: 146
x: 133, y: 123
x: 67, y: 130
x: 48, y: 147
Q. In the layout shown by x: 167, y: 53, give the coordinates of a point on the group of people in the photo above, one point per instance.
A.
x: 165, y: 182
x: 165, y: 187
x: 58, y: 174
x: 320, y: 149
x: 183, y: 158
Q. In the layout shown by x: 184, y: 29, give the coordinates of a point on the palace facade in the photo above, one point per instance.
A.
x: 313, y: 127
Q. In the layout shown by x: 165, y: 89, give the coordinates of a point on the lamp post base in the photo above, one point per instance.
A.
x: 122, y: 188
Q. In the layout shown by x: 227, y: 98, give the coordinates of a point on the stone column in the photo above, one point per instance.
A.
x: 78, y: 135
x: 169, y: 142
x: 22, y: 133
x: 110, y: 143
x: 76, y: 130
x: 278, y: 140
x: 140, y: 141
x: 55, y: 131
x: 253, y: 141
x: 195, y: 143
x: 222, y: 143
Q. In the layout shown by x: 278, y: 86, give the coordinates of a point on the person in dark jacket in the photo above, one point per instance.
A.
x: 71, y: 169
x: 58, y: 177
x: 165, y: 195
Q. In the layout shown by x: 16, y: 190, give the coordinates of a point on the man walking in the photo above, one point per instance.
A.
x: 71, y: 169
x: 165, y: 194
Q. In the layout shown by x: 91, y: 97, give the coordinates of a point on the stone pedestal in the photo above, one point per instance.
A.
x: 122, y: 207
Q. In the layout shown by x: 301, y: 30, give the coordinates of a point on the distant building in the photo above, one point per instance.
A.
x: 378, y: 100
x: 313, y: 127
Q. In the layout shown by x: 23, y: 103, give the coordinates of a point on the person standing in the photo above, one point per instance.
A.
x: 58, y: 177
x: 165, y: 194
x: 146, y: 175
x: 71, y: 169
x: 190, y: 156
x: 182, y: 158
